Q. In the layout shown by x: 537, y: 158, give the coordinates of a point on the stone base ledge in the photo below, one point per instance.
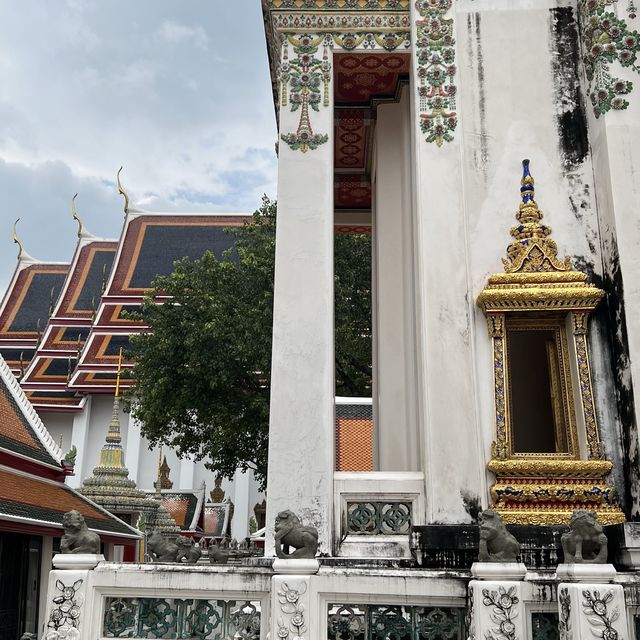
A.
x: 593, y: 573
x: 297, y: 566
x: 77, y: 561
x: 498, y: 570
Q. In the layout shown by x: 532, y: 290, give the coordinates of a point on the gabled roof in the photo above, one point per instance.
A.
x: 149, y: 246
x: 68, y: 327
x: 38, y: 502
x: 185, y: 507
x: 26, y: 306
x: 22, y: 432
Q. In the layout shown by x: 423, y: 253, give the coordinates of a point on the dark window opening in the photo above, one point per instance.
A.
x: 537, y: 403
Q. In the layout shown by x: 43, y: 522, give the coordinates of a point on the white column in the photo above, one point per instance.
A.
x: 80, y: 440
x: 397, y: 437
x: 301, y: 426
x: 132, y: 453
x: 45, y: 568
x: 187, y: 474
x: 589, y: 606
x: 614, y: 137
x: 240, y: 522
x: 452, y: 457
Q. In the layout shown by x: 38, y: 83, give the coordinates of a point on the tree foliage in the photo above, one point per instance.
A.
x: 202, y: 372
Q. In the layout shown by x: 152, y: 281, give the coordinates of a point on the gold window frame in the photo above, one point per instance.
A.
x: 564, y: 392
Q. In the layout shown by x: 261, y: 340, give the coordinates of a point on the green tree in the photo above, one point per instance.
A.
x: 202, y: 372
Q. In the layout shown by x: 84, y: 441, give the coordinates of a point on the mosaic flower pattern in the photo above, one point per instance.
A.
x: 435, y: 51
x: 607, y: 39
x: 305, y: 81
x: 600, y: 616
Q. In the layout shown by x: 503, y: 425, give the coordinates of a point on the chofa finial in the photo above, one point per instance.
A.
x: 17, y: 240
x: 76, y: 217
x: 532, y: 250
x: 123, y: 192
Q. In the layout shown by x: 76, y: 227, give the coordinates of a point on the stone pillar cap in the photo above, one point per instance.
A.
x: 77, y: 561
x: 498, y: 570
x: 595, y: 573
x: 306, y: 566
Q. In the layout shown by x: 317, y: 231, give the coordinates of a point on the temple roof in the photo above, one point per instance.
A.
x: 68, y: 327
x: 31, y: 500
x: 32, y: 492
x: 185, y: 507
x: 22, y: 433
x: 26, y: 307
x: 149, y: 246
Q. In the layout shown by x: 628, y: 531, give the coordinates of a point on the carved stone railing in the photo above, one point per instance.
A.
x: 181, y: 618
x: 361, y: 622
x: 378, y: 518
x: 374, y: 513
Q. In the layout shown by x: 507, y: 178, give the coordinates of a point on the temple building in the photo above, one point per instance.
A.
x: 490, y: 487
x: 33, y: 499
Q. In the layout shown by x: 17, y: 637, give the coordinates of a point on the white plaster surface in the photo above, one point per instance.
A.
x: 397, y: 444
x: 594, y: 573
x: 301, y: 424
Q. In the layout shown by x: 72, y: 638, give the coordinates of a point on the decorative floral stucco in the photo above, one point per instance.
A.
x: 307, y: 78
x: 435, y: 52
x: 606, y: 39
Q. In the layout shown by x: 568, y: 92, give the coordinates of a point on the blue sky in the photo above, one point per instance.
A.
x: 177, y: 91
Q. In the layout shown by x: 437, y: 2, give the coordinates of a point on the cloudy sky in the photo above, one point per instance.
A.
x: 177, y: 91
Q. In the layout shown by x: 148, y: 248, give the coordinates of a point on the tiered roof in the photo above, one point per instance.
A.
x: 149, y: 246
x: 68, y: 327
x: 26, y: 307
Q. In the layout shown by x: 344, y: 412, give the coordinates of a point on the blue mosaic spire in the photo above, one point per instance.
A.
x: 527, y: 184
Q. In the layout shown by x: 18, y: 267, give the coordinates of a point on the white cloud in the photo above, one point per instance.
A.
x: 177, y: 33
x: 177, y: 92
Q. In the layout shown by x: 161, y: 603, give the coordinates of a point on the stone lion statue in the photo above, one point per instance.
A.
x: 586, y: 542
x: 496, y: 543
x: 290, y: 532
x: 162, y: 549
x: 77, y: 538
x: 188, y: 551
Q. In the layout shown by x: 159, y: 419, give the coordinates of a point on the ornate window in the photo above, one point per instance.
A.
x: 539, y: 391
x: 547, y: 455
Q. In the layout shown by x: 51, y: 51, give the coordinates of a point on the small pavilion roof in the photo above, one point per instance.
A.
x: 185, y: 507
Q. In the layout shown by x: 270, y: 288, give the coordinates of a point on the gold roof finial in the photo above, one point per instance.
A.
x: 16, y: 239
x: 118, y: 373
x: 76, y: 217
x: 532, y: 250
x: 123, y: 192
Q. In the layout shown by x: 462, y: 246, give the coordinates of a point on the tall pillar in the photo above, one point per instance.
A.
x: 301, y: 424
x: 397, y: 440
x: 132, y: 454
x: 80, y: 440
x: 613, y: 105
x: 240, y: 522
x: 453, y: 460
x: 187, y: 474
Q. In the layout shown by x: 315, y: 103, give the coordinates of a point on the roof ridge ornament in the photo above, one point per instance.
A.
x: 76, y: 217
x: 122, y: 191
x: 16, y: 240
x: 532, y: 250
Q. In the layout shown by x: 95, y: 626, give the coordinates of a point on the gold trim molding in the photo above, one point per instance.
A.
x: 534, y: 488
x: 549, y: 468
